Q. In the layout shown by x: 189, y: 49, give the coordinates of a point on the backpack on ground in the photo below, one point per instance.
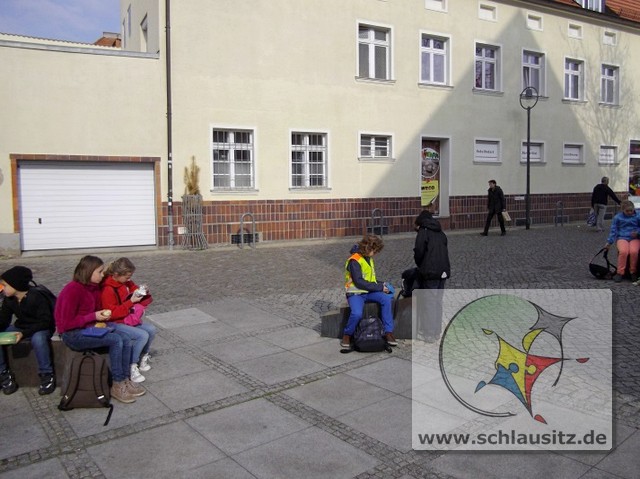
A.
x: 368, y: 337
x: 87, y: 384
x: 600, y: 271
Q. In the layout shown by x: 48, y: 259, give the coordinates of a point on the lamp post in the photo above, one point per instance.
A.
x: 528, y: 99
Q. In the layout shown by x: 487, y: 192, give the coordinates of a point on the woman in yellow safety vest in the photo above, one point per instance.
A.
x: 362, y: 286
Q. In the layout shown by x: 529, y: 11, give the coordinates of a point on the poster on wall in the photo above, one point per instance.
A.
x: 634, y: 173
x: 430, y: 168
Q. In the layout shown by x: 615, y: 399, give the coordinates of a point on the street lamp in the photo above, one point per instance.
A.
x: 528, y: 99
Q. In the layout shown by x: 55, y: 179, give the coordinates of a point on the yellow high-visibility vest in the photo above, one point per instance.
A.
x: 368, y: 273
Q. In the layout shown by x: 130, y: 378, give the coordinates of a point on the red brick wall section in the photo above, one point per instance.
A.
x: 281, y: 220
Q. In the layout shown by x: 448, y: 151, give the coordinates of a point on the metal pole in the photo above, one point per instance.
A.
x: 528, y: 198
x: 169, y: 124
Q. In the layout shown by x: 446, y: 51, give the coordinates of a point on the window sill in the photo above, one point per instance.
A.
x: 234, y: 191
x: 570, y: 101
x: 569, y: 163
x: 482, y: 91
x: 379, y: 81
x: 609, y: 105
x: 533, y: 163
x: 377, y: 159
x: 435, y: 86
x: 310, y: 189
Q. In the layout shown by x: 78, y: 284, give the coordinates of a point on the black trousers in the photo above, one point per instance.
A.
x: 490, y: 217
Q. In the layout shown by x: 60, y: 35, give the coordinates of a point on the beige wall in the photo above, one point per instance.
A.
x: 278, y: 66
x: 69, y: 99
x: 281, y: 65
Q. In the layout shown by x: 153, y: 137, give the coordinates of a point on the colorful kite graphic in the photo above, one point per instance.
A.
x: 517, y: 370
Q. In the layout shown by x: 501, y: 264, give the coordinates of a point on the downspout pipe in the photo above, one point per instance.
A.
x: 169, y: 123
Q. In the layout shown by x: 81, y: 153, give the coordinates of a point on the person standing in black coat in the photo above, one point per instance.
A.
x: 431, y: 255
x: 496, y: 205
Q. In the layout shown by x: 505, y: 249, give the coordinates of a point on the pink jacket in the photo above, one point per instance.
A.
x: 76, y: 306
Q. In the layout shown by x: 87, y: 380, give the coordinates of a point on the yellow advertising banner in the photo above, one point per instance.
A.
x: 429, y: 192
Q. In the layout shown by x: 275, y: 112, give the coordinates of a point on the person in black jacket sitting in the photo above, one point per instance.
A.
x: 34, y: 319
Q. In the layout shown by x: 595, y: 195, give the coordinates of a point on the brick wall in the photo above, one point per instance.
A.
x: 281, y: 220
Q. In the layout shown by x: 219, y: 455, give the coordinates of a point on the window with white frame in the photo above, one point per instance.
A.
x: 487, y: 151
x: 437, y: 5
x: 533, y: 64
x: 573, y: 154
x: 609, y: 85
x: 487, y: 67
x: 536, y: 152
x: 608, y: 155
x: 374, y: 52
x: 308, y: 160
x: 375, y: 147
x: 595, y: 5
x: 573, y: 79
x: 487, y: 11
x: 434, y: 58
x: 575, y: 30
x: 609, y: 38
x: 232, y: 159
x: 534, y: 22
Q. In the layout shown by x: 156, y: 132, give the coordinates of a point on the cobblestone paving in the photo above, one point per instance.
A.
x: 299, y: 282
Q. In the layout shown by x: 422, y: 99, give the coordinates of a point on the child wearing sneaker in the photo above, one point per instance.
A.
x: 361, y: 285
x: 78, y: 307
x: 34, y: 320
x: 127, y: 302
x: 625, y: 234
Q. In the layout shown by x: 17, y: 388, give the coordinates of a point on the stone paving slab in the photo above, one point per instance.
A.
x: 243, y: 386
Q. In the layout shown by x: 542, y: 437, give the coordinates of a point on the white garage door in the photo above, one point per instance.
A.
x: 86, y: 205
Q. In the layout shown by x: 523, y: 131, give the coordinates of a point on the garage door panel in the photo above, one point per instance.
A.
x: 71, y: 205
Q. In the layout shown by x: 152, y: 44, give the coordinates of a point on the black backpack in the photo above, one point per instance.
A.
x: 48, y: 295
x: 87, y: 383
x: 599, y: 271
x: 368, y: 337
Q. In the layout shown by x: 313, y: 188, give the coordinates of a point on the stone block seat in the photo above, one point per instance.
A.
x: 21, y: 359
x: 333, y: 322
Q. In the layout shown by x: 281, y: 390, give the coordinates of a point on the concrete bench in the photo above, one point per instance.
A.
x: 21, y: 359
x: 333, y: 322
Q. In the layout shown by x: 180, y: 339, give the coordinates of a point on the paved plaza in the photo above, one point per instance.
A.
x: 243, y: 386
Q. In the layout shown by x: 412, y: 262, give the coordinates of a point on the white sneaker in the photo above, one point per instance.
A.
x: 136, y: 377
x: 144, y: 363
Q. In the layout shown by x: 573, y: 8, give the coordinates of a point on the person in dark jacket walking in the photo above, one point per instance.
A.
x: 496, y: 205
x: 431, y: 255
x: 599, y: 198
x: 34, y: 320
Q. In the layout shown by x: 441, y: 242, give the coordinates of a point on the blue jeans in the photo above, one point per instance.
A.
x: 40, y: 345
x: 356, y: 304
x: 119, y: 349
x: 141, y: 337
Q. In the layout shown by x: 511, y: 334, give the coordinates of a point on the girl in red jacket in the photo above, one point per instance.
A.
x: 127, y: 302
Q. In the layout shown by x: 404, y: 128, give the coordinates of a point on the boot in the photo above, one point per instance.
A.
x: 47, y: 383
x: 8, y: 382
x: 134, y: 389
x: 120, y: 392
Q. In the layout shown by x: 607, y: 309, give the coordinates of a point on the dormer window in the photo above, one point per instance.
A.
x: 595, y: 5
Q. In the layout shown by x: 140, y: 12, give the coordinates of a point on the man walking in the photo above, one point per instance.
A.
x: 599, y: 197
x: 495, y: 205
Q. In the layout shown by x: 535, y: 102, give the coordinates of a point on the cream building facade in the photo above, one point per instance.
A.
x: 315, y: 117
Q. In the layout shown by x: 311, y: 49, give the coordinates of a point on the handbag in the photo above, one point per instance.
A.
x: 506, y: 216
x: 591, y: 218
x: 134, y: 318
x: 599, y: 271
